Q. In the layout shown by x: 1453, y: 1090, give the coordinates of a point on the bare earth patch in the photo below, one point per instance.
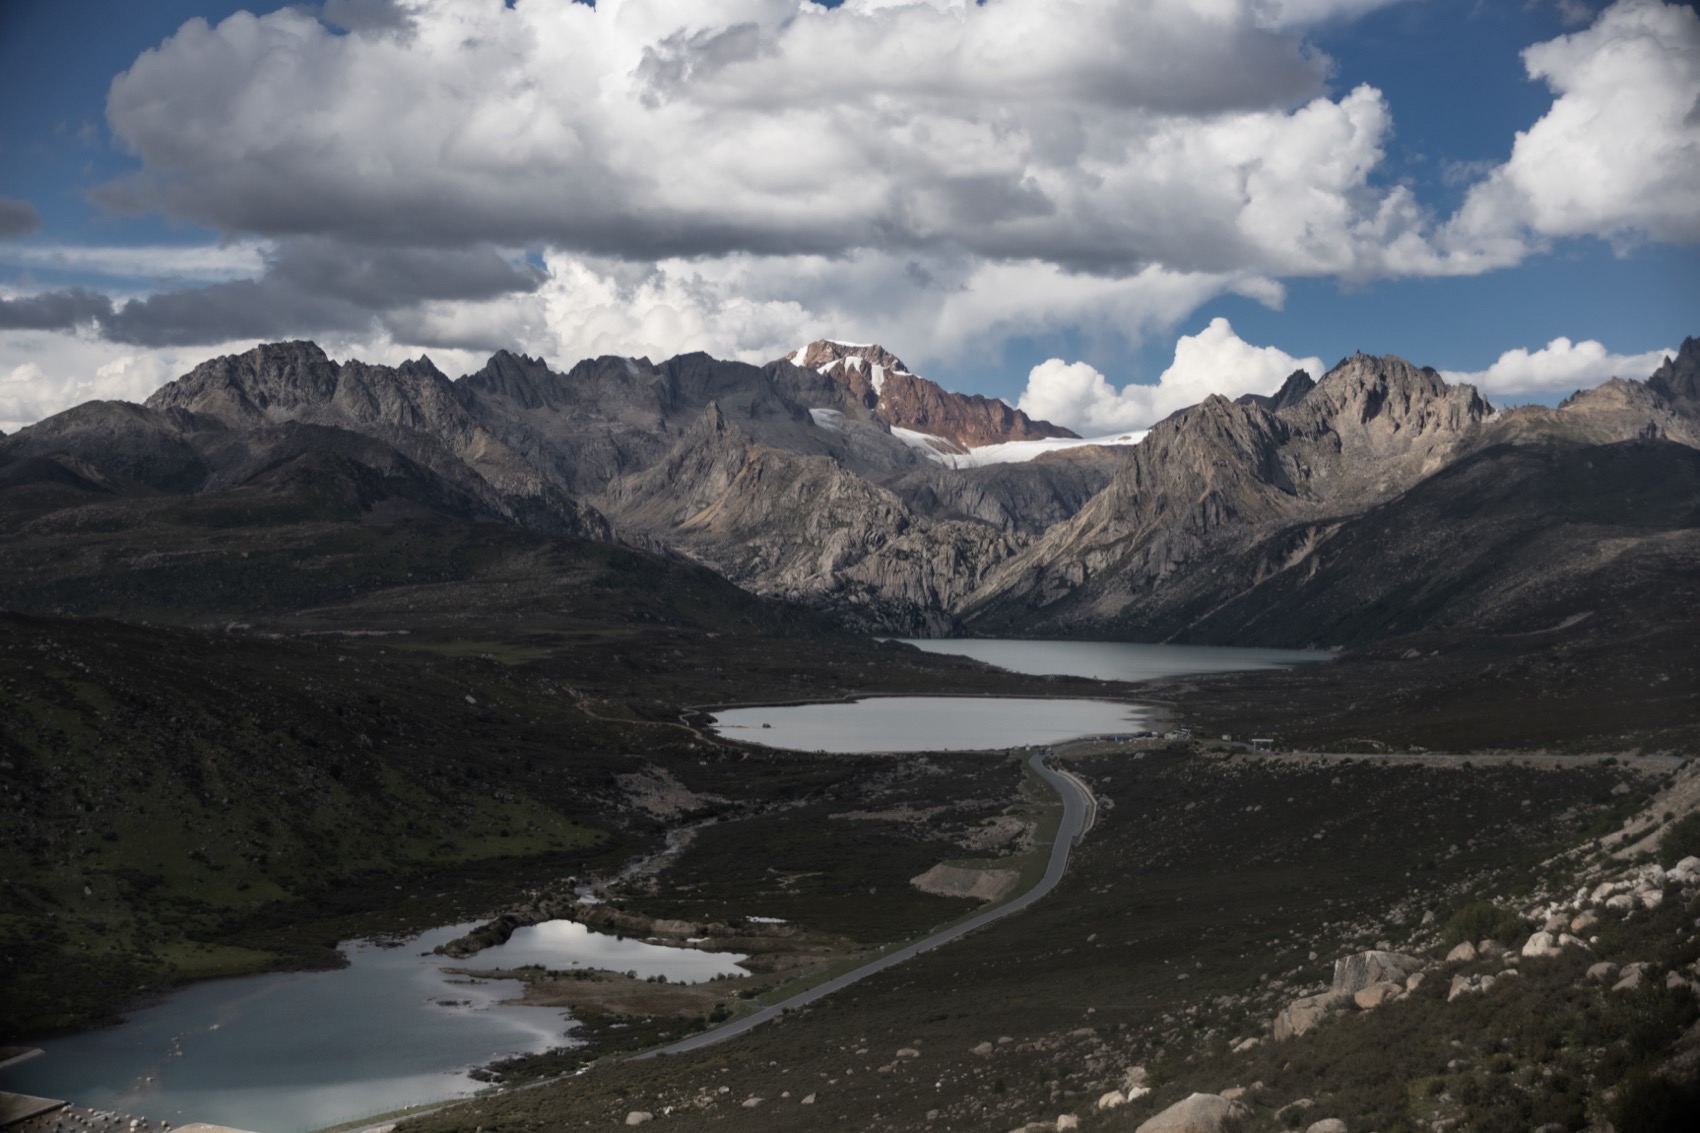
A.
x: 956, y: 881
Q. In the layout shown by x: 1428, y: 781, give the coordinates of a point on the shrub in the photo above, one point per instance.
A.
x: 1481, y: 919
x: 1646, y: 1104
x: 1681, y: 839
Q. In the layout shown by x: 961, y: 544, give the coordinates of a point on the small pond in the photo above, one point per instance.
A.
x: 926, y: 723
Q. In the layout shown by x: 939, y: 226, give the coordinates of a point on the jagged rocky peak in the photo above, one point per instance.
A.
x: 1292, y: 391
x: 1679, y: 378
x: 244, y: 386
x: 828, y: 354
x: 879, y: 381
x: 1379, y: 398
x: 519, y: 377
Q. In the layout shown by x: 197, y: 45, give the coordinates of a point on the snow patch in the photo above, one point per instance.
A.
x: 632, y: 367
x: 765, y: 920
x: 827, y: 419
x: 936, y: 448
x: 1010, y: 452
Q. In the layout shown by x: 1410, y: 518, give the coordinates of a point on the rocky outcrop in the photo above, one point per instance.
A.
x: 1199, y: 1113
x: 1364, y: 969
x: 1303, y: 1014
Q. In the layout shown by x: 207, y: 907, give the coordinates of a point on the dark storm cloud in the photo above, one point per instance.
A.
x: 17, y: 218
x: 54, y: 310
x: 313, y: 286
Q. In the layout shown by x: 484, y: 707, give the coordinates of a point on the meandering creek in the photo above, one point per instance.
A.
x: 294, y: 1051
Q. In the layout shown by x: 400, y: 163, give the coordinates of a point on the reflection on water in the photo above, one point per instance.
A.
x: 567, y: 944
x: 301, y: 1050
x: 926, y: 723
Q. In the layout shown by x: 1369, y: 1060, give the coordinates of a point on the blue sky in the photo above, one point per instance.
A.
x: 1049, y: 204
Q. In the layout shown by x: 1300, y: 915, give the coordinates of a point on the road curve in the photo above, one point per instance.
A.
x: 1078, y: 805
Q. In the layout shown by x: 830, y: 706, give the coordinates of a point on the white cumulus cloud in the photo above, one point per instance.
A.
x: 1215, y: 360
x: 1618, y: 154
x: 1098, y: 135
x: 1559, y: 367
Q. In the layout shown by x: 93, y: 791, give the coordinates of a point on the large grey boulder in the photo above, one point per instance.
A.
x: 1305, y: 1013
x: 1354, y: 973
x: 1200, y: 1113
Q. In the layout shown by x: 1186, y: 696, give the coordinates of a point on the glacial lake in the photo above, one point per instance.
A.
x: 960, y: 723
x: 926, y: 723
x: 294, y: 1051
x: 1114, y: 660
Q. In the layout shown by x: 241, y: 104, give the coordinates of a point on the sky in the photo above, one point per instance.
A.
x: 1100, y: 210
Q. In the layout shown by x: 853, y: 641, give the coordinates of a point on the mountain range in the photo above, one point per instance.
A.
x: 1369, y: 501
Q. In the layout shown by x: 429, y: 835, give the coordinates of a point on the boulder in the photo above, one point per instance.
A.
x: 1354, y: 973
x: 1303, y: 1014
x: 1200, y: 1113
x: 1652, y: 898
x: 908, y: 1052
x: 1621, y: 902
x: 1414, y: 982
x: 1112, y: 1099
x: 1558, y: 922
x: 1631, y: 977
x: 1134, y: 1093
x: 1603, y: 971
x: 752, y: 1102
x: 1690, y: 864
x: 1582, y: 922
x: 1464, y: 985
x: 1326, y: 1125
x: 1376, y: 994
x: 1674, y: 980
x: 984, y: 1050
x: 1067, y: 1121
x: 808, y: 1099
x: 1136, y: 1076
x: 639, y: 1117
x: 1461, y: 953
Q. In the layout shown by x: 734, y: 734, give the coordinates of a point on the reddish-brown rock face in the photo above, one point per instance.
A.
x: 880, y: 381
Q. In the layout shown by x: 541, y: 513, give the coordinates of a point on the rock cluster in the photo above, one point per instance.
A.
x: 1365, y: 980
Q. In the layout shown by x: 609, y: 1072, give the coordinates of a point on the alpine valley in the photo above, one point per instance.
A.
x: 303, y: 651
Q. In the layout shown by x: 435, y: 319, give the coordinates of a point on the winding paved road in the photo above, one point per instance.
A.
x: 1079, y: 807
